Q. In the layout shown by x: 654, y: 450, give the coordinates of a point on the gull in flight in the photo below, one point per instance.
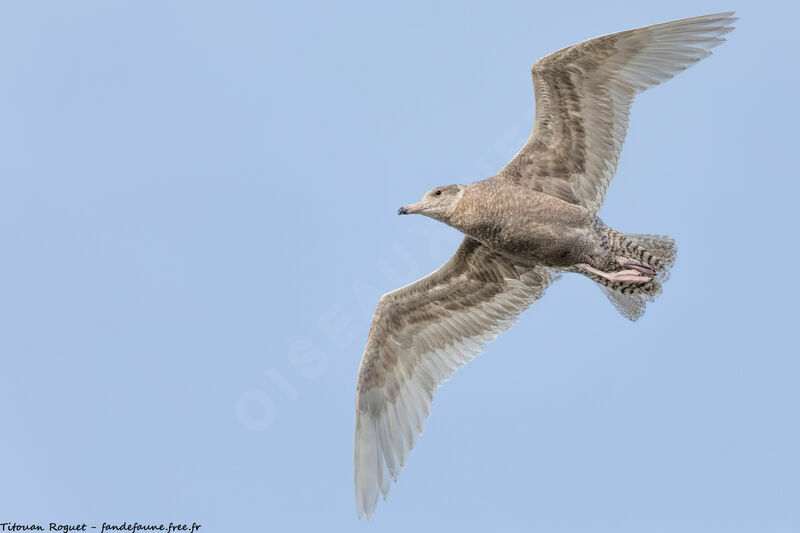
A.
x: 524, y: 226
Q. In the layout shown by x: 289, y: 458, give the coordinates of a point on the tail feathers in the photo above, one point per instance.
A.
x: 631, y: 306
x: 656, y: 251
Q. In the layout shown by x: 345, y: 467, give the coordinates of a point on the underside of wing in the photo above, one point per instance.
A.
x: 420, y: 335
x: 583, y: 99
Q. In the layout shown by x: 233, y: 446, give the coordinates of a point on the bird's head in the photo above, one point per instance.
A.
x: 438, y: 203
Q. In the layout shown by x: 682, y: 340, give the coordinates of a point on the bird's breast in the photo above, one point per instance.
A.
x: 528, y: 227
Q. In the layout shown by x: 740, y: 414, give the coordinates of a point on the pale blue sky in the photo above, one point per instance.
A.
x: 198, y: 216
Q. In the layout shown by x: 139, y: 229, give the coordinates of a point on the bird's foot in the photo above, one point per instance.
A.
x: 630, y: 275
x: 635, y: 265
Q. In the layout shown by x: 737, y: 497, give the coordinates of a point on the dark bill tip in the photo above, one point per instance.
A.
x: 402, y: 211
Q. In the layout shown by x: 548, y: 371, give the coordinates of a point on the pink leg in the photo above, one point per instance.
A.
x: 636, y: 265
x: 630, y: 275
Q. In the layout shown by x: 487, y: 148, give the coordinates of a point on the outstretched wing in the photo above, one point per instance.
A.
x: 420, y: 335
x: 583, y: 98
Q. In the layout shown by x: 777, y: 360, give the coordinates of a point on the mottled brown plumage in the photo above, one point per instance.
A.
x: 535, y: 219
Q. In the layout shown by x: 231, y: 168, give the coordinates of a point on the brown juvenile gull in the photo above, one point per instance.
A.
x: 536, y: 218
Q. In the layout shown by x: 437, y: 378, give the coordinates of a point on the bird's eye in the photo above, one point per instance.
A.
x: 438, y: 192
